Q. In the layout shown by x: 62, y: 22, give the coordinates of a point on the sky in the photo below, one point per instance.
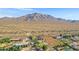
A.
x: 66, y: 13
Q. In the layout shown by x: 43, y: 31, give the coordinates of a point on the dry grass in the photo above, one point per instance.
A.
x: 19, y: 28
x: 51, y: 41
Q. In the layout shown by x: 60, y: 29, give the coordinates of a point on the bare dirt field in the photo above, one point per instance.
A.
x: 20, y: 28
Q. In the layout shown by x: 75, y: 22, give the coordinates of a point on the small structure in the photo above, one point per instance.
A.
x: 20, y: 39
x: 16, y: 39
x: 60, y: 48
x: 21, y: 44
x: 27, y: 39
x: 59, y: 37
x: 40, y: 37
x: 75, y: 38
x: 75, y: 45
x: 75, y: 42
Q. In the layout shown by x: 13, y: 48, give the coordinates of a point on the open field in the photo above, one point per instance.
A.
x: 14, y: 27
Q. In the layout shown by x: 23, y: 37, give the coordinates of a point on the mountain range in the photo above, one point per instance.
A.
x: 36, y: 22
x: 38, y: 17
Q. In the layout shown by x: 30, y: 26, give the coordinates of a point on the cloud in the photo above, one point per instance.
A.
x: 7, y: 16
x: 25, y: 9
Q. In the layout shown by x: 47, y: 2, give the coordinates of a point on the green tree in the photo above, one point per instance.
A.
x: 41, y: 45
x: 5, y: 40
x: 34, y: 39
x: 15, y: 48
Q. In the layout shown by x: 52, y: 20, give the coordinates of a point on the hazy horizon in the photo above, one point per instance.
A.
x: 66, y: 13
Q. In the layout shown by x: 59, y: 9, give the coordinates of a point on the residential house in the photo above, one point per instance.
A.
x: 59, y: 37
x: 40, y: 37
x: 75, y: 38
x: 21, y: 44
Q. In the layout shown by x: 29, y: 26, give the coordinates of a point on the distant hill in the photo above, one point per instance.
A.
x: 38, y: 17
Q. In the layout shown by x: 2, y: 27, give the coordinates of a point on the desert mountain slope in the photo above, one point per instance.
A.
x: 36, y: 22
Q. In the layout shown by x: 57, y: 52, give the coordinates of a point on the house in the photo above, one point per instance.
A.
x: 60, y: 36
x: 26, y: 48
x: 37, y: 49
x: 40, y: 37
x: 75, y: 38
x: 20, y: 39
x: 25, y: 39
x: 60, y: 48
x: 75, y: 45
x: 16, y: 39
x: 21, y: 44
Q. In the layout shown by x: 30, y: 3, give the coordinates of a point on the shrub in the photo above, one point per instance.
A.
x: 41, y: 45
x: 5, y: 40
x: 15, y: 48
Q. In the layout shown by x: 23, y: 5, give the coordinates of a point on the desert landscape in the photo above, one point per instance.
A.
x: 38, y: 32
